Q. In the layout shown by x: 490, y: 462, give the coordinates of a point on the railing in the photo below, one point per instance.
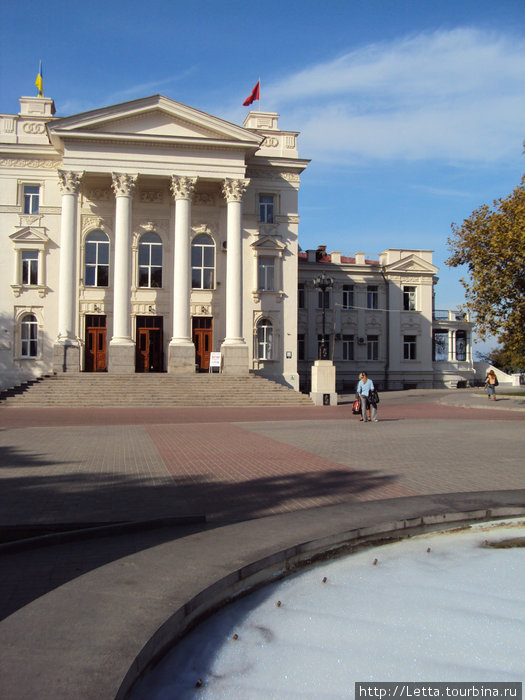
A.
x: 447, y: 315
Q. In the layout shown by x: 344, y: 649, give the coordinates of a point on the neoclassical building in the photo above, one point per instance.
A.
x: 144, y: 236
x: 151, y: 237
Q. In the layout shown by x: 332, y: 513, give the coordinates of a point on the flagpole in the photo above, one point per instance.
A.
x: 259, y: 94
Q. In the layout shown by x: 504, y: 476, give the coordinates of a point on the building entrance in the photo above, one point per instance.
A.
x: 202, y: 339
x: 149, y: 355
x: 95, y: 356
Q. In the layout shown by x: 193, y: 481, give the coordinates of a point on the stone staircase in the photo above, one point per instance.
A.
x: 101, y: 389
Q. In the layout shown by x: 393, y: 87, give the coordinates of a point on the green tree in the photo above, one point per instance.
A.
x: 491, y: 243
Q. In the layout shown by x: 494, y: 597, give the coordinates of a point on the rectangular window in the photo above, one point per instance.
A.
x: 409, y: 298
x: 266, y: 273
x: 301, y: 296
x: 348, y: 296
x: 301, y: 346
x: 266, y: 209
x: 372, y: 296
x: 372, y: 347
x: 348, y: 347
x: 31, y: 199
x: 30, y: 267
x: 323, y: 296
x: 440, y: 346
x: 409, y: 347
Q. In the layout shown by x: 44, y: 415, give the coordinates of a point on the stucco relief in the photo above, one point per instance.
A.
x: 30, y: 163
x: 34, y: 127
x: 100, y: 194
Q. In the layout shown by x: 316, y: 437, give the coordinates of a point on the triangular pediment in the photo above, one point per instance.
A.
x: 412, y: 263
x: 268, y: 243
x: 29, y: 234
x: 153, y: 118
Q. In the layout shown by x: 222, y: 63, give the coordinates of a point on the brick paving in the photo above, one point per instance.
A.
x: 107, y: 465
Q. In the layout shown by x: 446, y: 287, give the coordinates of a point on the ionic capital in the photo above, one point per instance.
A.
x: 69, y: 181
x: 233, y: 190
x: 182, y: 187
x: 123, y: 184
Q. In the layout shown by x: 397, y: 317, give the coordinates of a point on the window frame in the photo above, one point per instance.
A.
x: 28, y: 327
x: 264, y: 339
x: 410, y: 347
x: 30, y: 273
x: 348, y: 301
x: 372, y: 348
x: 409, y: 297
x: 266, y: 209
x: 263, y: 273
x: 372, y: 297
x: 348, y: 343
x: 97, y: 266
x: 150, y: 267
x: 30, y: 198
x: 202, y: 269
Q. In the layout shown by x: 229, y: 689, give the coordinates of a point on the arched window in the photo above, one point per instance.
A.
x: 264, y: 339
x: 150, y: 260
x: 203, y: 262
x: 96, y: 259
x: 29, y: 336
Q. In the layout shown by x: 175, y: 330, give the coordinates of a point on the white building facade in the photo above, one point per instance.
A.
x: 379, y: 317
x: 144, y: 236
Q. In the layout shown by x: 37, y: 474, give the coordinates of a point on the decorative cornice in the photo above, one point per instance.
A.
x: 233, y: 190
x: 182, y: 187
x: 69, y: 181
x: 123, y: 184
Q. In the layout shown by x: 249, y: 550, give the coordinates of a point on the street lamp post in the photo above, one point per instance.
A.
x: 323, y: 282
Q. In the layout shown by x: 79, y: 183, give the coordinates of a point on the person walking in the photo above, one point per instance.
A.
x: 491, y: 382
x: 365, y: 387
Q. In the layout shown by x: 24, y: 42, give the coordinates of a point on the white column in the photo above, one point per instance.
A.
x: 233, y: 191
x: 69, y: 183
x: 182, y: 189
x: 121, y: 347
x: 181, y: 351
x: 123, y: 186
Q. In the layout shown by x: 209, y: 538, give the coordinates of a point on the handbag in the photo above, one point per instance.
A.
x: 356, y: 406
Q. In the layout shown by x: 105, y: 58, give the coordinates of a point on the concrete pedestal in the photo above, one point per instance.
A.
x: 181, y: 359
x: 121, y: 358
x: 66, y: 358
x: 323, y: 383
x: 234, y: 359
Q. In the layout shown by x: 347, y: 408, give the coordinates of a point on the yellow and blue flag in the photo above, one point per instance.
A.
x: 38, y: 82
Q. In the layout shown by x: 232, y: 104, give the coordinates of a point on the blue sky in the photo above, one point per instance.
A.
x: 412, y: 111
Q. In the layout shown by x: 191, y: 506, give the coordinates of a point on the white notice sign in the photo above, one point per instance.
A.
x: 215, y: 359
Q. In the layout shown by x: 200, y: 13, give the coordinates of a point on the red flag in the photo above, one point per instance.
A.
x: 254, y: 96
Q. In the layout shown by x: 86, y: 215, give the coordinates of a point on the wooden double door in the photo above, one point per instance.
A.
x: 149, y: 354
x: 95, y: 354
x: 202, y: 337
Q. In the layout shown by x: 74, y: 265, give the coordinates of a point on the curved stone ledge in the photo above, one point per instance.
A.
x: 281, y: 563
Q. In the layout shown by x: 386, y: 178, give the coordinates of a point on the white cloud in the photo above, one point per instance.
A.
x: 454, y: 96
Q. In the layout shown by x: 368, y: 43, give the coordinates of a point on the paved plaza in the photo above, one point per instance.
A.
x: 190, y: 473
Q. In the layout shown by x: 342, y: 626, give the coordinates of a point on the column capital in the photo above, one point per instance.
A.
x: 233, y: 190
x: 123, y: 184
x: 69, y: 181
x: 182, y: 187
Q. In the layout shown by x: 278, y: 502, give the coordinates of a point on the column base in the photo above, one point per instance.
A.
x: 121, y: 358
x: 235, y: 359
x: 181, y: 359
x: 326, y: 399
x: 66, y: 358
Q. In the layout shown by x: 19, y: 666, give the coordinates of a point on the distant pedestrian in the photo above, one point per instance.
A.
x: 365, y: 391
x: 491, y: 382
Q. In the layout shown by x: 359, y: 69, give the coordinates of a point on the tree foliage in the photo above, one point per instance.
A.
x: 491, y: 243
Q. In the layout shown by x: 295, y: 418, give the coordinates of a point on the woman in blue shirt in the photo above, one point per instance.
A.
x: 364, y: 387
